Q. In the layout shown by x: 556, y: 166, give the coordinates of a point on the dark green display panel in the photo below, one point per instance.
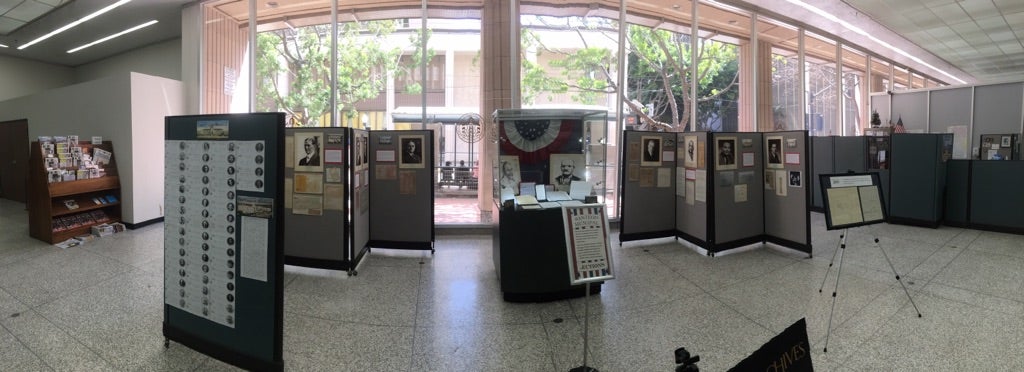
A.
x: 996, y: 199
x: 918, y: 179
x: 822, y: 160
x: 253, y: 340
x: 958, y: 192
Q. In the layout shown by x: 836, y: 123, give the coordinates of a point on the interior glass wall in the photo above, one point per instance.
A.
x: 722, y: 30
x: 820, y: 86
x: 785, y: 73
x: 854, y: 93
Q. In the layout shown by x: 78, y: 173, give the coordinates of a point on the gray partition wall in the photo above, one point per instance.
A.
x: 850, y: 154
x: 691, y: 214
x: 949, y: 107
x: 737, y: 191
x: 822, y: 161
x: 880, y: 104
x: 996, y: 198
x: 648, y: 178
x: 401, y: 176
x: 786, y: 203
x: 918, y: 178
x: 997, y: 109
x: 316, y: 215
x: 912, y: 108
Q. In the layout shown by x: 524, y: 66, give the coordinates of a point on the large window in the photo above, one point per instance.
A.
x: 785, y: 91
x: 854, y: 95
x: 821, y: 84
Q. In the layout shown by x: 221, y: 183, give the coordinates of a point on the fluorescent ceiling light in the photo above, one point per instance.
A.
x: 144, y: 25
x: 75, y: 23
x: 3, y: 46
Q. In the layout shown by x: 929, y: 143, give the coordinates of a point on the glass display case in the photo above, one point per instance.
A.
x: 562, y: 150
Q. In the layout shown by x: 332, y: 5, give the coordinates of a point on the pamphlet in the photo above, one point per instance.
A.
x: 557, y: 196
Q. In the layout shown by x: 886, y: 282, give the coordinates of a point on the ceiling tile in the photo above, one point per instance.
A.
x: 951, y: 13
x: 1009, y: 48
x: 979, y: 8
x: 1009, y: 6
x: 990, y: 24
x: 54, y: 3
x: 28, y: 11
x: 9, y: 24
x: 6, y: 5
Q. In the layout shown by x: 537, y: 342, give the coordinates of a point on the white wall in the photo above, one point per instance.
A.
x: 152, y: 99
x: 161, y: 59
x: 22, y: 77
x: 107, y: 107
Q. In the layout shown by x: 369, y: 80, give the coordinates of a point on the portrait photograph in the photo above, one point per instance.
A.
x: 796, y: 179
x: 725, y: 153
x: 411, y: 150
x: 309, y: 152
x: 1006, y: 141
x: 508, y: 173
x: 564, y: 169
x: 689, y: 151
x: 650, y: 151
x: 773, y: 151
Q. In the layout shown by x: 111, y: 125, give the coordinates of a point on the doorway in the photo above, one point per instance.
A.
x: 14, y: 159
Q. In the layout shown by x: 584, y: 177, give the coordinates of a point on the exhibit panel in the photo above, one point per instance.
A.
x: 691, y: 203
x: 648, y: 185
x: 880, y: 104
x: 786, y: 195
x: 850, y: 154
x: 996, y: 199
x: 822, y: 161
x: 1000, y: 146
x: 224, y: 236
x: 918, y: 178
x: 879, y: 153
x: 401, y: 176
x: 316, y: 215
x: 359, y: 222
x: 736, y: 187
x: 547, y: 159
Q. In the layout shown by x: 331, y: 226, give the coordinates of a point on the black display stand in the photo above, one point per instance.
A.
x: 532, y: 265
x: 401, y: 176
x: 853, y: 200
x: 224, y: 183
x: 317, y: 199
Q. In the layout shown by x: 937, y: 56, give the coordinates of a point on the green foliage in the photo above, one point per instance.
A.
x: 658, y: 75
x: 293, y: 68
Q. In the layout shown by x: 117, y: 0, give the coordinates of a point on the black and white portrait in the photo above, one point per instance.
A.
x: 650, y: 151
x: 773, y: 152
x: 509, y: 177
x: 566, y: 168
x: 411, y: 148
x: 725, y: 148
x: 795, y: 179
x: 308, y: 156
x: 690, y: 151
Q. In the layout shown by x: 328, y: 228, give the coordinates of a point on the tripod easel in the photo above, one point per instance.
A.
x: 839, y: 271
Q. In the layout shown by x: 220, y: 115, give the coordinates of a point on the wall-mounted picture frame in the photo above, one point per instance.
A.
x: 725, y: 153
x: 650, y: 151
x: 411, y: 151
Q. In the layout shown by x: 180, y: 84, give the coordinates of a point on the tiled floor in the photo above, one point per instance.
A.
x: 98, y: 307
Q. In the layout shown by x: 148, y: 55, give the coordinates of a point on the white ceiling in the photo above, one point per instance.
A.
x: 61, y: 12
x: 980, y: 37
x: 984, y: 38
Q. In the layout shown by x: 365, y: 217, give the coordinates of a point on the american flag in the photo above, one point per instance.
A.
x: 899, y: 128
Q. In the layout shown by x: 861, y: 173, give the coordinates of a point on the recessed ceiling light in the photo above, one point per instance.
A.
x: 144, y: 25
x: 75, y: 23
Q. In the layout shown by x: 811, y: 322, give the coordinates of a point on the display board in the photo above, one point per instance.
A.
x: 223, y: 236
x: 852, y: 199
x: 648, y: 183
x: 401, y: 176
x: 736, y: 186
x: 316, y: 187
x: 359, y: 220
x: 958, y: 193
x: 999, y: 147
x: 691, y: 182
x: 786, y: 195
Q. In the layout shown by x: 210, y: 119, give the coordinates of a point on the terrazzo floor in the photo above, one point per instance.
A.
x: 98, y: 307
